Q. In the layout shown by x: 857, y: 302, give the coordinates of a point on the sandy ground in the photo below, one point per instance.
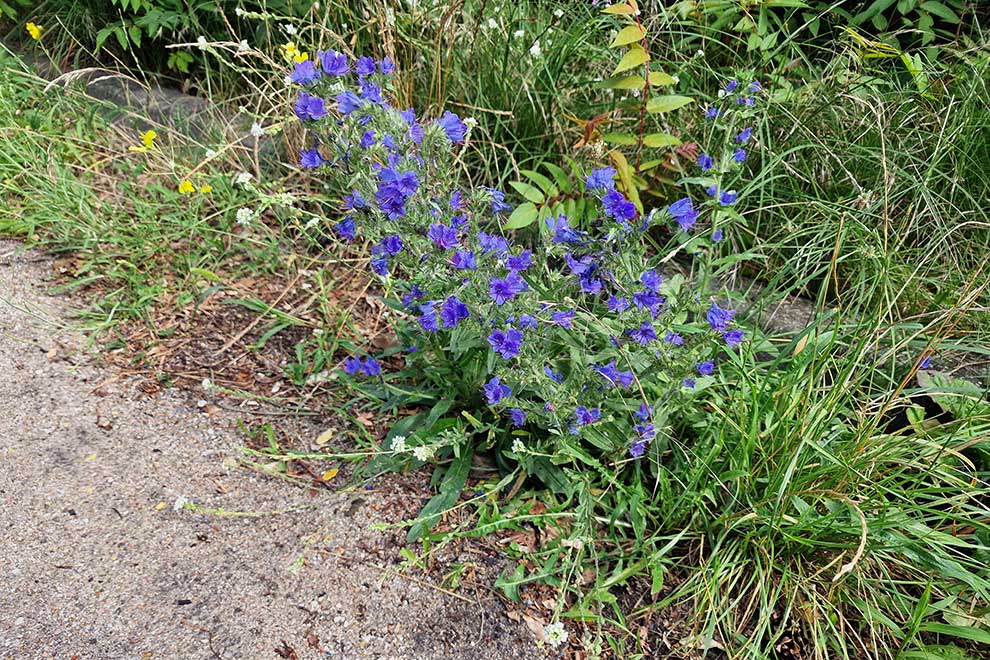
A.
x: 96, y: 563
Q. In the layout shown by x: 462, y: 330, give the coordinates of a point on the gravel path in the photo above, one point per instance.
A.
x: 95, y: 563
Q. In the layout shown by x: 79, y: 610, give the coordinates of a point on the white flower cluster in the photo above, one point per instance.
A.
x: 555, y: 634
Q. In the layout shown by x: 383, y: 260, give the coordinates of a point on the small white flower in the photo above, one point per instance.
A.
x: 201, y: 43
x: 558, y: 12
x: 312, y: 222
x: 535, y: 50
x: 389, y: 16
x: 675, y: 79
x: 290, y: 29
x: 423, y: 453
x: 243, y: 46
x: 211, y: 153
x: 286, y: 199
x: 244, y: 216
x: 518, y: 447
x: 492, y: 24
x: 257, y: 130
x: 470, y: 122
x: 700, y: 53
x: 207, y: 383
x: 239, y: 11
x: 519, y: 34
x: 318, y: 332
x: 399, y: 444
x: 180, y: 503
x: 287, y: 81
x: 555, y: 634
x: 242, y: 179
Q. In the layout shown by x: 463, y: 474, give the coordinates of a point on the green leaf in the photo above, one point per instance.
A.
x: 940, y: 10
x: 657, y: 140
x: 635, y: 57
x: 659, y: 104
x: 560, y: 176
x: 531, y: 193
x: 545, y: 184
x: 661, y: 79
x: 628, y: 35
x: 623, y: 82
x: 523, y: 216
x: 620, y: 138
x: 621, y: 8
x: 963, y: 632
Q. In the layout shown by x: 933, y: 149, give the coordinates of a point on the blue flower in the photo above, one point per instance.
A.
x: 453, y: 312
x: 689, y: 383
x: 562, y: 232
x: 371, y: 367
x: 673, y: 338
x: 728, y: 197
x: 346, y: 228
x: 555, y: 377
x: 386, y: 66
x: 520, y: 262
x: 365, y: 66
x: 601, y: 179
x: 719, y: 318
x: 354, y: 201
x: 926, y: 362
x: 456, y: 200
x: 563, y: 318
x: 739, y: 155
x: 744, y: 136
x: 651, y: 279
x: 638, y: 447
x: 304, y: 73
x: 648, y: 299
x: 502, y: 290
x: 392, y: 245
x: 518, y: 417
x: 498, y: 201
x: 496, y: 390
x: 428, y: 318
x: 491, y: 244
x: 644, y: 413
x: 379, y: 265
x: 352, y: 365
x: 617, y: 206
x: 717, y: 236
x: 333, y: 63
x: 644, y: 334
x: 706, y: 368
x: 711, y: 112
x: 367, y: 140
x: 755, y: 86
x: 705, y: 162
x: 733, y: 337
x: 452, y: 125
x: 731, y: 86
x: 310, y: 107
x: 443, y: 237
x: 683, y: 212
x: 348, y: 102
x: 310, y: 158
x: 415, y: 293
x: 587, y: 416
x: 618, y: 305
x: 372, y: 93
x: 464, y: 260
x: 613, y: 376
x: 506, y: 343
x: 527, y: 321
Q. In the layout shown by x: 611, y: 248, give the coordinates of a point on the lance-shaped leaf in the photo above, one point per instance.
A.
x: 635, y: 57
x: 659, y: 104
x: 628, y: 35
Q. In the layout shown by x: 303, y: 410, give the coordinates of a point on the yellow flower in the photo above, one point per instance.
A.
x: 301, y: 57
x: 206, y: 188
x: 289, y: 51
x: 148, y: 138
x: 34, y: 31
x: 186, y: 187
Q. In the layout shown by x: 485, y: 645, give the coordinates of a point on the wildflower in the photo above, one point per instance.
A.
x: 148, y: 138
x: 243, y: 46
x: 354, y: 201
x: 731, y: 86
x: 242, y: 179
x: 346, y: 228
x: 719, y: 318
x: 613, y: 376
x: 552, y: 375
x: 379, y: 265
x: 443, y: 237
x: 423, y: 453
x: 601, y: 179
x: 554, y: 634
x: 717, y: 236
x: 755, y: 86
x: 706, y: 368
x: 399, y: 444
x: 644, y: 334
x: 201, y: 43
x: 333, y: 63
x: 673, y: 339
x: 428, y: 318
x: 527, y: 321
x: 651, y: 279
x: 648, y: 299
x: 186, y: 187
x: 558, y: 12
x: 498, y: 201
x: 304, y: 73
x: 617, y: 206
x: 352, y: 366
x: 563, y: 319
x: 365, y: 66
x: 711, y: 112
x: 638, y: 447
x: 562, y: 232
x: 496, y: 390
x: 491, y: 24
x: 507, y: 343
x: 290, y: 29
x: 518, y: 447
x: 491, y: 244
x: 644, y: 413
x: 386, y: 66
x: 739, y: 155
x: 371, y: 367
x: 347, y: 102
x: 372, y: 93
x: 926, y: 362
x: 618, y: 305
x: 728, y: 197
x: 519, y: 34
x: 586, y: 416
x: 535, y: 49
x: 705, y: 162
x: 733, y: 337
x: 521, y: 261
x: 206, y: 188
x: 744, y: 136
x: 310, y: 158
x: 367, y: 139
x: 684, y: 213
x: 464, y: 260
x: 452, y: 125
x: 502, y: 290
x: 34, y: 31
x: 453, y: 311
x: 244, y: 216
x: 688, y: 383
x: 307, y: 107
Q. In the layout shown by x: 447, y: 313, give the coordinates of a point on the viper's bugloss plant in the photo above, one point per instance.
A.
x: 584, y: 341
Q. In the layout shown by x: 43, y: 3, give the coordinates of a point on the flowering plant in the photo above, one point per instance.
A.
x: 567, y: 346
